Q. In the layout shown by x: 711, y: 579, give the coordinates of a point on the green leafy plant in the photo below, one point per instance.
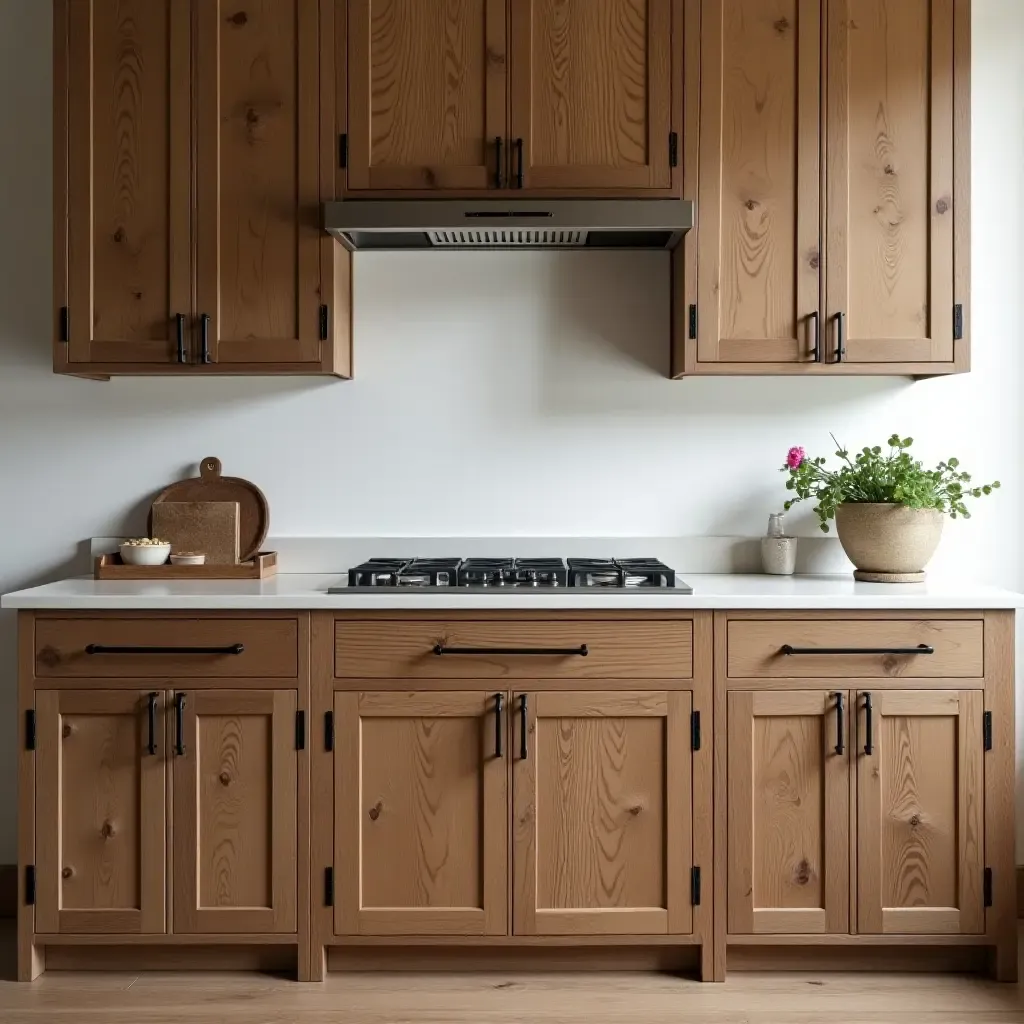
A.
x: 873, y: 475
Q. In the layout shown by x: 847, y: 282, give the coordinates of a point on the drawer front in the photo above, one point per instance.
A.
x: 637, y: 649
x: 178, y: 648
x: 756, y: 648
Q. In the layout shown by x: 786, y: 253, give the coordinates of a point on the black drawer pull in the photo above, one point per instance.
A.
x: 179, y: 724
x: 104, y: 649
x: 919, y: 649
x: 551, y: 652
x: 499, y: 706
x: 523, y: 722
x: 840, y: 723
x: 869, y: 738
x: 151, y: 745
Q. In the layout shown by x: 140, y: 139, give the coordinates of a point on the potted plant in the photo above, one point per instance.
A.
x: 888, y: 508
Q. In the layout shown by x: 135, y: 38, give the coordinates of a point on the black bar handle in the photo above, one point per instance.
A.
x: 519, y: 163
x: 523, y: 751
x: 499, y: 171
x: 812, y: 323
x: 919, y: 649
x: 104, y: 649
x: 179, y: 724
x: 840, y: 723
x: 869, y: 738
x: 151, y: 746
x: 551, y: 652
x: 180, y: 321
x: 840, y: 337
x: 204, y: 325
x: 499, y: 706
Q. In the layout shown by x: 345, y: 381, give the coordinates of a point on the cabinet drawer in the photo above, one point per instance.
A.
x: 178, y: 648
x: 659, y: 649
x: 756, y: 648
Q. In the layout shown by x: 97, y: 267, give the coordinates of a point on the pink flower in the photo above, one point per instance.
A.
x: 795, y: 457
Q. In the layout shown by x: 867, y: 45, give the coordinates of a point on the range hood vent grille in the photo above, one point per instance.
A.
x: 507, y: 237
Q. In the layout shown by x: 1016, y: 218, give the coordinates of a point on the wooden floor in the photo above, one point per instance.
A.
x: 59, y: 998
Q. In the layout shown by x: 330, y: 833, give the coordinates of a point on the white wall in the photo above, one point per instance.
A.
x: 496, y: 394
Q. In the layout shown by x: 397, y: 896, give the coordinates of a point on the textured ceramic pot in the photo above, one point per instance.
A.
x: 885, y: 540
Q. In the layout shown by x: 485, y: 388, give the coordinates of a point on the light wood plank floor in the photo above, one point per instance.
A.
x: 63, y: 998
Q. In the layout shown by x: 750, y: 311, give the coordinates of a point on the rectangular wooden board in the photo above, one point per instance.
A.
x: 209, y: 527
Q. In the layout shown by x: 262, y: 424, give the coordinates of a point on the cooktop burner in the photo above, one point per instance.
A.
x: 521, y: 574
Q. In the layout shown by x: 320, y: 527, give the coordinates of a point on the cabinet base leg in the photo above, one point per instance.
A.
x: 1004, y: 961
x: 707, y: 963
x: 313, y: 963
x: 31, y: 961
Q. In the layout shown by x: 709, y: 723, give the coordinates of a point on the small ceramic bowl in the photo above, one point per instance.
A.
x: 188, y: 558
x: 145, y: 554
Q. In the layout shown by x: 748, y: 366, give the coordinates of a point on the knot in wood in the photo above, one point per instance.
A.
x: 49, y: 656
x: 814, y: 259
x: 225, y: 779
x: 252, y: 118
x: 240, y: 18
x: 375, y: 810
x: 802, y: 874
x: 66, y: 730
x: 942, y: 205
x: 915, y: 820
x: 107, y: 830
x: 430, y: 176
x: 66, y: 872
x: 119, y: 236
x: 635, y: 809
x: 781, y: 26
x: 751, y: 204
x: 495, y: 57
x: 889, y: 170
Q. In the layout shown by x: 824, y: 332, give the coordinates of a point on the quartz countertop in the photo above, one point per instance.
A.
x: 307, y: 592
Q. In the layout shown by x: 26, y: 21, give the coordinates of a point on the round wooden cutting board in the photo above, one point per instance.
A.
x: 253, y: 511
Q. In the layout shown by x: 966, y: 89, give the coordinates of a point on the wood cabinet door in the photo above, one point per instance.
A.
x: 602, y: 813
x: 421, y: 814
x: 595, y: 87
x: 258, y: 269
x: 427, y: 95
x: 235, y: 826
x: 126, y: 172
x: 920, y: 812
x: 788, y: 792
x: 100, y: 812
x: 890, y: 180
x: 758, y: 243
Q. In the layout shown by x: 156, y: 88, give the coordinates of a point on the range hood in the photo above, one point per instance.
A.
x: 375, y: 224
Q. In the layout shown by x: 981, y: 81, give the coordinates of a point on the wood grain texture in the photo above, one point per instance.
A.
x: 920, y: 812
x: 258, y: 179
x: 31, y: 957
x: 235, y: 813
x: 754, y: 648
x: 100, y: 808
x: 128, y: 227
x: 788, y: 792
x: 890, y: 178
x: 421, y: 815
x: 592, y: 92
x: 210, y: 527
x: 601, y: 810
x: 759, y: 253
x: 653, y: 649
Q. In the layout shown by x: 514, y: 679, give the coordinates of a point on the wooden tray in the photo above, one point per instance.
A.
x: 110, y: 567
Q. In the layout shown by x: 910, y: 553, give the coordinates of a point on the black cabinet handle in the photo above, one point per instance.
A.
x: 840, y: 337
x: 151, y: 746
x: 523, y: 751
x: 551, y: 652
x: 519, y: 163
x: 180, y: 319
x: 812, y: 323
x: 499, y: 706
x: 204, y: 325
x: 869, y: 740
x: 840, y: 723
x: 179, y: 724
x: 499, y: 172
x: 104, y: 649
x: 919, y: 649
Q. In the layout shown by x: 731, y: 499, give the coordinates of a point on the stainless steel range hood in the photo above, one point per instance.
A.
x: 374, y: 224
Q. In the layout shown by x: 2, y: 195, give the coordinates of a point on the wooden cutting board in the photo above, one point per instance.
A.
x: 207, y: 526
x: 210, y: 485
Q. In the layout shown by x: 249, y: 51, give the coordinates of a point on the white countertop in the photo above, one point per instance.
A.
x: 306, y: 592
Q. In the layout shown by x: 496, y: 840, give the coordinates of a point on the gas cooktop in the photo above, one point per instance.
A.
x: 501, y: 575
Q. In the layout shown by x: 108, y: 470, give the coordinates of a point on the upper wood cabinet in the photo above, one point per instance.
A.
x: 543, y: 96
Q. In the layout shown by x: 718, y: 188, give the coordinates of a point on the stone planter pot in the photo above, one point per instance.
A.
x: 888, y: 543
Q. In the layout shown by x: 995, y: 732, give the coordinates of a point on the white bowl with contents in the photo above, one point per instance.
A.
x: 188, y: 558
x: 145, y: 551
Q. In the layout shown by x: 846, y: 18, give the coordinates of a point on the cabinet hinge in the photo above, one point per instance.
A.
x: 987, y: 887
x: 300, y: 730
x: 695, y: 886
x: 65, y: 324
x: 324, y: 322
x: 673, y: 149
x: 30, y: 729
x: 695, y: 730
x: 343, y: 150
x: 328, y: 730
x: 30, y: 885
x: 693, y: 320
x: 986, y: 729
x: 958, y: 322
x: 328, y: 887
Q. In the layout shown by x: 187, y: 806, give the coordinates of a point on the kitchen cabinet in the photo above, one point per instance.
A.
x: 189, y: 158
x: 538, y: 96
